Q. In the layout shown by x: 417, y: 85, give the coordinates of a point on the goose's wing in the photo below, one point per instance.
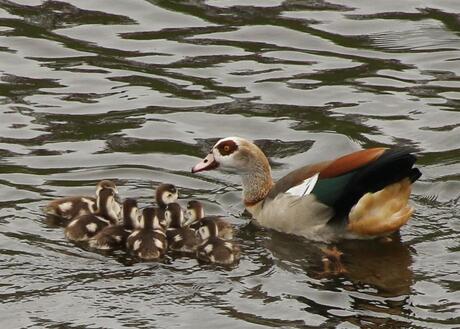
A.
x: 304, y: 187
x: 340, y: 183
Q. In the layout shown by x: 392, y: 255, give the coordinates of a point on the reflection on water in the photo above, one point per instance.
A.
x: 382, y: 265
x: 138, y: 91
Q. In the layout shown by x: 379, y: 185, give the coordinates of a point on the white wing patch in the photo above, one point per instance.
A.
x: 158, y: 244
x: 95, y: 244
x: 72, y: 223
x: 209, y: 248
x: 102, y: 219
x: 160, y: 232
x: 91, y: 227
x: 137, y: 244
x: 66, y: 206
x: 305, y: 187
x: 177, y: 238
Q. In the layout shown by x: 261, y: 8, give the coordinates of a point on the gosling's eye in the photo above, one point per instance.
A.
x: 169, y: 195
x: 226, y: 148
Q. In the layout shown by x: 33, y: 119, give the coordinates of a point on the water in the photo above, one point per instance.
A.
x: 137, y: 91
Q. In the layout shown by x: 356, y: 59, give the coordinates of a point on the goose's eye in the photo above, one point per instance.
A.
x: 227, y: 147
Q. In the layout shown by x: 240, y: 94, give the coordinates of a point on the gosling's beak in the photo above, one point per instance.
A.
x: 207, y: 163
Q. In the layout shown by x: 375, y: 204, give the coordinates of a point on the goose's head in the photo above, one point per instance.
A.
x: 232, y: 153
x: 106, y: 184
x: 166, y: 194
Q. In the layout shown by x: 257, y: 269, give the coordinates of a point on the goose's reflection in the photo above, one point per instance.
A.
x: 381, y: 264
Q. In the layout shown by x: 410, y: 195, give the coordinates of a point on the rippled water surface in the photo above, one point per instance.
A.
x: 137, y: 91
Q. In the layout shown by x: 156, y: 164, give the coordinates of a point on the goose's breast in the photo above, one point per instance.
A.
x: 303, y: 216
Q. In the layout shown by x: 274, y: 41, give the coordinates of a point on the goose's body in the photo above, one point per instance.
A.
x: 67, y: 208
x: 196, y: 218
x: 164, y: 195
x: 85, y: 227
x: 213, y: 249
x: 360, y: 195
x: 180, y: 238
x: 148, y: 242
x: 115, y: 236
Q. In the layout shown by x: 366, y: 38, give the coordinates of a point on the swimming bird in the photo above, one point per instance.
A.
x: 115, y: 236
x: 164, y: 195
x: 213, y: 249
x: 84, y: 227
x: 360, y: 195
x: 196, y: 218
x: 67, y: 208
x: 148, y: 241
x: 180, y: 238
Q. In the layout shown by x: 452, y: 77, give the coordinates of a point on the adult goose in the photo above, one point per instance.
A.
x: 362, y: 195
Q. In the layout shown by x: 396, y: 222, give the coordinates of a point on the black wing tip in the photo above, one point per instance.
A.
x: 414, y: 174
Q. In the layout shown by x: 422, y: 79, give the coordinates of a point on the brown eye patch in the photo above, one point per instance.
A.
x: 227, y: 147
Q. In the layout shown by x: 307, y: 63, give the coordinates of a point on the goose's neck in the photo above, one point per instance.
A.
x: 106, y: 209
x: 102, y: 206
x: 257, y: 182
x: 128, y: 222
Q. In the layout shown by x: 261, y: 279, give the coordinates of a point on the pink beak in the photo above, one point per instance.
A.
x: 207, y: 163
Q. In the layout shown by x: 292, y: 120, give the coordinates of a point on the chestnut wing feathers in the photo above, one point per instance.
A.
x: 391, y: 167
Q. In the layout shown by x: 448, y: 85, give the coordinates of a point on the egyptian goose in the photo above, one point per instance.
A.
x: 85, y: 227
x: 164, y: 195
x: 196, y: 218
x: 180, y: 238
x: 148, y: 242
x: 360, y: 195
x: 213, y: 249
x: 67, y: 208
x: 115, y: 236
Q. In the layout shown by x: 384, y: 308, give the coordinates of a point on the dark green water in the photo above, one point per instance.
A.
x: 137, y: 91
